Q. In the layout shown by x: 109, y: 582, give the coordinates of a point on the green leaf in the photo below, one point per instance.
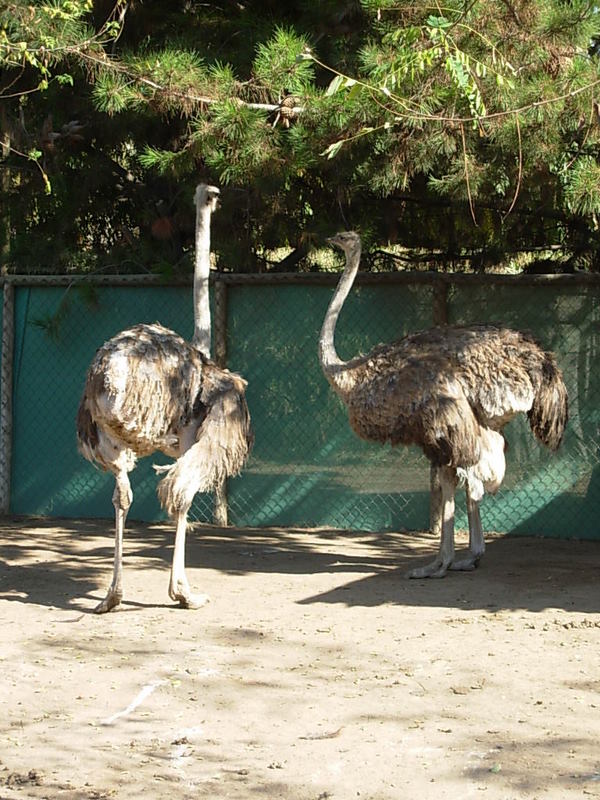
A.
x: 438, y: 22
x: 336, y: 84
x: 333, y: 149
x: 354, y: 91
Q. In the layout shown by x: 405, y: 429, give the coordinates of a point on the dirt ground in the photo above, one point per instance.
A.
x: 317, y: 671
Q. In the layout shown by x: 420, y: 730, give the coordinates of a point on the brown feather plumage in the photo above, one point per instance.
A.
x: 147, y: 389
x: 438, y: 387
x: 222, y: 442
x: 450, y: 390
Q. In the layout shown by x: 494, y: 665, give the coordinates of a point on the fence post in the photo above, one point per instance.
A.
x: 440, y: 317
x: 220, y: 507
x: 6, y: 393
x: 440, y: 303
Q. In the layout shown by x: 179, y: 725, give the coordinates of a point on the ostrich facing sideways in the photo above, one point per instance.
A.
x: 149, y: 390
x: 449, y: 390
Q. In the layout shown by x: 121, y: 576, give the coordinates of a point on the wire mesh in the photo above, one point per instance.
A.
x: 544, y: 492
x: 307, y: 467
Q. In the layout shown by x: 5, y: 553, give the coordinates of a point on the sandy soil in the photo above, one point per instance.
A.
x: 317, y: 671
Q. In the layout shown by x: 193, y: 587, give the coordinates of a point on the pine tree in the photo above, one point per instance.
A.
x: 468, y: 130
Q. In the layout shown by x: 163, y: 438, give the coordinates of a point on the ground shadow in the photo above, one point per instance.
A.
x: 64, y: 563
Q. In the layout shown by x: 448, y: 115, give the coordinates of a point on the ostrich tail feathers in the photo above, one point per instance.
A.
x: 222, y: 446
x: 549, y: 412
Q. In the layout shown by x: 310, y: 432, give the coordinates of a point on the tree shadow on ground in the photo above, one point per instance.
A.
x: 65, y: 563
x: 528, y: 766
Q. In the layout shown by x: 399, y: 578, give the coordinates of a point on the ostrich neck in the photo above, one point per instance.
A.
x: 337, y: 372
x: 201, y: 275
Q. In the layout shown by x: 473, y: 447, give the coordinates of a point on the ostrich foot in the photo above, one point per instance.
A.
x: 112, y: 600
x: 180, y: 592
x: 193, y: 601
x: 438, y: 568
x: 466, y: 564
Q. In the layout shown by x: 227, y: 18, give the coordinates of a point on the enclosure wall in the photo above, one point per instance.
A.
x: 307, y: 468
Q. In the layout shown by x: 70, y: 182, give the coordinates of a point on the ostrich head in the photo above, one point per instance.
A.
x: 206, y: 196
x: 348, y: 241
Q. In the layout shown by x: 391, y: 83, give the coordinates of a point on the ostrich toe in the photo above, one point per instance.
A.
x: 112, y: 600
x: 466, y: 564
x: 436, y: 569
x: 194, y: 601
x: 180, y: 592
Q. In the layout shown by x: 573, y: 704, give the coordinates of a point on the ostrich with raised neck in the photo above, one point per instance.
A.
x: 450, y: 390
x: 149, y: 390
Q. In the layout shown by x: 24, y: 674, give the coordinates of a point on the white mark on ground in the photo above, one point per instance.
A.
x: 145, y: 692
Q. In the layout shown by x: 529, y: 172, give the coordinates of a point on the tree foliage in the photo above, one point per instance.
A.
x: 467, y: 130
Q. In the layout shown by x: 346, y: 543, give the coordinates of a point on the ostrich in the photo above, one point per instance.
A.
x: 149, y: 390
x: 450, y: 390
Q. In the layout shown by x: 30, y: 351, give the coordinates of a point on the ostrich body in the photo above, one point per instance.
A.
x: 149, y: 390
x: 449, y: 390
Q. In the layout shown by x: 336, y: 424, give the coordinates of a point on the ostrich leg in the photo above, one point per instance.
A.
x: 435, y: 501
x: 179, y: 588
x: 122, y: 497
x: 476, y: 540
x: 439, y: 566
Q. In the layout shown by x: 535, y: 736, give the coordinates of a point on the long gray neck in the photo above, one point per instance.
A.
x: 334, y: 368
x: 202, y: 327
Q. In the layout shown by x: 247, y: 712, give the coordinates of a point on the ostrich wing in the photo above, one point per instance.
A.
x: 403, y: 400
x: 223, y: 442
x: 437, y: 388
x: 142, y: 388
x: 498, y: 368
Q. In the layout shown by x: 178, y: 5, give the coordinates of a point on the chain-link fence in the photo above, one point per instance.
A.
x: 307, y: 468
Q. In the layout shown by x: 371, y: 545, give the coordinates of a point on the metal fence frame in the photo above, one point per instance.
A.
x: 441, y: 283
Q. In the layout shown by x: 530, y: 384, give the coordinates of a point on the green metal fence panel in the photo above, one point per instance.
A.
x: 556, y: 494
x: 307, y: 467
x: 49, y: 477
